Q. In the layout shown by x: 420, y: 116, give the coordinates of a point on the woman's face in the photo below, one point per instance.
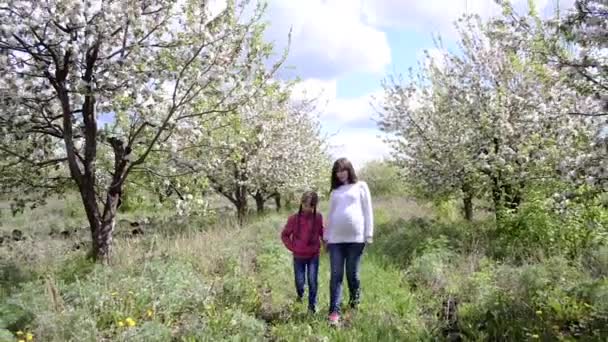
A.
x: 342, y: 176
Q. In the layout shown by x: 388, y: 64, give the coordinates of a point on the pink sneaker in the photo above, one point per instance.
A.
x: 334, y: 318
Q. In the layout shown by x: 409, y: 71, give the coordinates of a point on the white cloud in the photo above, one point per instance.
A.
x: 324, y: 90
x: 329, y: 37
x: 359, y: 146
x: 347, y: 120
x: 352, y: 110
x: 339, y: 110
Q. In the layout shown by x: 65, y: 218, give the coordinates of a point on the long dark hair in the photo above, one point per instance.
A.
x: 340, y: 165
x: 313, y: 198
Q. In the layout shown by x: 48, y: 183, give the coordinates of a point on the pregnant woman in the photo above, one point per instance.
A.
x: 350, y: 227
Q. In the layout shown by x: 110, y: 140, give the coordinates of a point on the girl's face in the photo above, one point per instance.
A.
x: 307, y: 207
x: 342, y: 176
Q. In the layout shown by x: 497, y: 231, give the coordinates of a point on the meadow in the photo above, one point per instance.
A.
x: 428, y: 276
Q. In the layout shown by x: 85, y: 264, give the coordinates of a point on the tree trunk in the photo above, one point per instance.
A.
x: 467, y: 202
x: 241, y: 212
x: 497, y: 188
x: 277, y: 201
x: 497, y: 199
x: 505, y: 196
x: 91, y: 209
x: 101, y: 227
x: 240, y: 203
x: 259, y: 202
x: 105, y: 232
x: 512, y: 197
x: 289, y: 202
x: 105, y: 223
x: 237, y: 196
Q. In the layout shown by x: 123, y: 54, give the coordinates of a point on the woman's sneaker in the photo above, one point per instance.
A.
x: 334, y: 318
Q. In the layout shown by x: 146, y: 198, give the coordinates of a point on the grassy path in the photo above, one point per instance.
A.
x: 388, y: 311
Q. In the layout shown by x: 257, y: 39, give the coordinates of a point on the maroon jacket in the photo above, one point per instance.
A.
x: 300, y: 237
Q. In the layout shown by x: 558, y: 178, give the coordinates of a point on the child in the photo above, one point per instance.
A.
x: 302, y: 235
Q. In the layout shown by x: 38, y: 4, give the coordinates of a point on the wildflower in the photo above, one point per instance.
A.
x: 130, y: 321
x: 535, y: 336
x: 19, y: 333
x: 539, y: 312
x: 20, y: 340
x: 150, y: 313
x: 121, y: 324
x: 29, y: 337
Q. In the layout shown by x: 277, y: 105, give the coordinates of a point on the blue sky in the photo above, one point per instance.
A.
x: 343, y: 49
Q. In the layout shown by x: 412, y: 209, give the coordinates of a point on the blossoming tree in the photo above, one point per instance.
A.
x: 581, y: 51
x: 156, y: 69
x: 491, y: 119
x: 267, y: 147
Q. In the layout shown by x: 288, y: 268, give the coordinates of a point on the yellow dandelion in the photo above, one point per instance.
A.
x: 149, y: 312
x: 130, y: 321
x: 121, y: 324
x: 21, y: 341
x: 19, y: 333
x: 29, y: 337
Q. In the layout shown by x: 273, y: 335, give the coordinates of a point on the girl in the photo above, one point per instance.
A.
x: 350, y: 227
x: 302, y: 236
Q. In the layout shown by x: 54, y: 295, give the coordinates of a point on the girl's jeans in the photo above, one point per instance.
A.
x: 302, y: 268
x: 344, y: 256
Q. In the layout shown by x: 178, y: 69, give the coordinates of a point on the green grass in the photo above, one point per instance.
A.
x: 196, y: 281
x: 388, y: 310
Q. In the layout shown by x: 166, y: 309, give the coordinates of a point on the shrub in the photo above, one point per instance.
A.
x: 382, y: 178
x: 536, y: 228
x: 107, y: 300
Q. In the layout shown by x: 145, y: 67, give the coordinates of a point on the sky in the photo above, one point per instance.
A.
x: 343, y: 49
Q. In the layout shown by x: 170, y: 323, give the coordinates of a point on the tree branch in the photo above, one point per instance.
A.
x: 220, y: 189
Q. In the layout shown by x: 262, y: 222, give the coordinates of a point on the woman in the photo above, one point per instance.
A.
x: 350, y: 227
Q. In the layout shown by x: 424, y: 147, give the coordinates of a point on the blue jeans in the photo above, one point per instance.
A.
x: 341, y: 256
x: 303, y: 268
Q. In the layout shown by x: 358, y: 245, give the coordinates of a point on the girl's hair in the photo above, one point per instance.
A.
x: 313, y: 199
x: 341, y: 165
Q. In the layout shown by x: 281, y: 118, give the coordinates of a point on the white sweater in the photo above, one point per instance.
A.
x: 350, y: 216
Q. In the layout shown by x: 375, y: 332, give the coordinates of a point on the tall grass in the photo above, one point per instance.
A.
x: 424, y: 278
